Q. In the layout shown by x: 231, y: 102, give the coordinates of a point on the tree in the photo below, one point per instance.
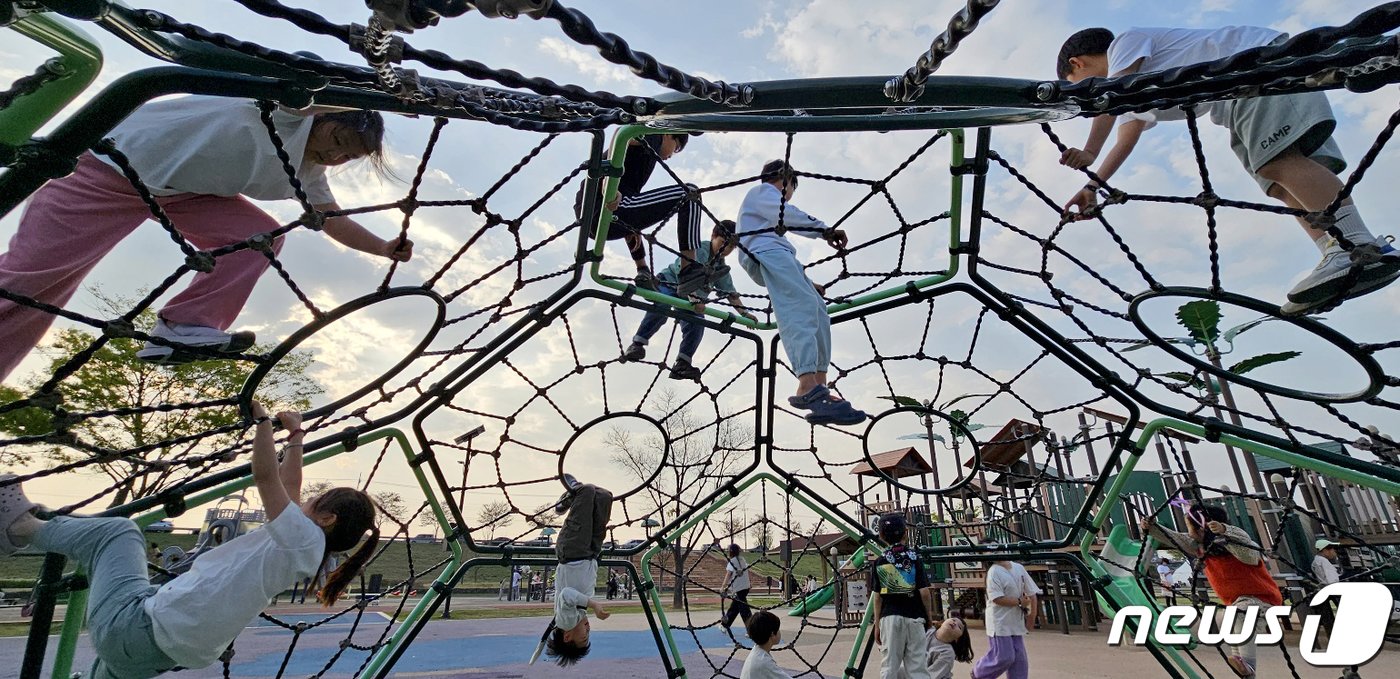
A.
x: 696, y: 465
x: 314, y: 489
x: 427, y: 519
x: 144, y: 427
x: 761, y: 534
x: 392, y: 505
x: 495, y: 515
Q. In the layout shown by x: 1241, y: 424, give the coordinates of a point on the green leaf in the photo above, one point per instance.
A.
x: 964, y: 396
x: 904, y: 401
x: 1201, y: 319
x: 1189, y: 380
x: 1242, y: 328
x: 1262, y: 360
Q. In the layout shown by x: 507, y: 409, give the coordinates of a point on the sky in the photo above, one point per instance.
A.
x: 754, y: 41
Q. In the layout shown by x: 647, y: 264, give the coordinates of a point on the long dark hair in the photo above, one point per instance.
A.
x: 368, y: 127
x: 962, y: 646
x: 354, y: 515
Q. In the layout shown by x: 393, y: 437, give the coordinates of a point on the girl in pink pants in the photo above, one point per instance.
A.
x: 202, y: 158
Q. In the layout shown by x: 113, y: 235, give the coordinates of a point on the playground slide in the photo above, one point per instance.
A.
x: 1122, y: 585
x: 816, y: 600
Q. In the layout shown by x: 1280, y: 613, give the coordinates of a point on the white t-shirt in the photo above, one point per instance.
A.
x: 738, y: 570
x: 761, y: 665
x: 1164, y: 573
x: 1324, y: 571
x: 1167, y: 48
x: 195, y: 616
x: 574, y: 585
x: 1013, y: 582
x: 217, y: 146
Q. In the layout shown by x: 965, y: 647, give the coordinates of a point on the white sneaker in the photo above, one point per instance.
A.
x: 199, y: 336
x: 1327, y: 281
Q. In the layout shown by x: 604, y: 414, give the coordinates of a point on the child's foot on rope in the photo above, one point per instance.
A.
x: 199, y: 336
x: 635, y: 351
x: 1328, y: 280
x: 691, y: 280
x: 646, y: 280
x: 567, y: 499
x: 835, y: 411
x: 683, y: 370
x: 13, y: 505
x: 1242, y: 667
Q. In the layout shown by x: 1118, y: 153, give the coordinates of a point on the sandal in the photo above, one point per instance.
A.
x: 833, y: 411
x: 814, y: 396
x: 13, y: 504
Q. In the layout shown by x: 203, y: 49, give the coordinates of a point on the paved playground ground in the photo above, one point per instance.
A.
x: 623, y: 648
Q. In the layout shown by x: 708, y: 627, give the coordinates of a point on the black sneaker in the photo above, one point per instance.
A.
x: 683, y: 370
x: 646, y: 280
x: 635, y: 352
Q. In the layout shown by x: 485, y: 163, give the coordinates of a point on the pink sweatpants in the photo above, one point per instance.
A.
x: 72, y: 223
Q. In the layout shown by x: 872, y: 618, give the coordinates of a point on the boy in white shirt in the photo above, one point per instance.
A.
x: 1284, y: 141
x: 765, y: 217
x: 1012, y: 606
x: 763, y: 630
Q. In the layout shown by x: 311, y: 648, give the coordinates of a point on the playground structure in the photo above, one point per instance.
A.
x: 980, y: 331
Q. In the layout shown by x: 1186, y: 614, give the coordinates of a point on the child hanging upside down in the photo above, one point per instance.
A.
x: 1234, y: 566
x: 139, y: 630
x: 1284, y: 141
x: 948, y: 643
x: 579, y: 547
x: 771, y: 261
x: 710, y: 256
x: 202, y: 157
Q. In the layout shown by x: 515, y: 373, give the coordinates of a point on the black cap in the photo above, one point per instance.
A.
x: 893, y: 525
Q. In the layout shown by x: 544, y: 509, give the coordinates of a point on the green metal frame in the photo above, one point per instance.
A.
x: 605, y: 216
x: 79, y: 60
x: 74, y: 620
x: 795, y: 493
x: 1113, y: 495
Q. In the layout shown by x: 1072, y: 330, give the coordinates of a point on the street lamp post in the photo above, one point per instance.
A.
x: 466, y: 440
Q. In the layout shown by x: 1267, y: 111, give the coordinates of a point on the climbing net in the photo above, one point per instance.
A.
x: 1031, y: 320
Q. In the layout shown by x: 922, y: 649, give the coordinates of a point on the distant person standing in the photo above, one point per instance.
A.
x: 1164, y: 574
x: 515, y: 583
x: 1012, y: 605
x: 1325, y: 570
x: 736, y: 587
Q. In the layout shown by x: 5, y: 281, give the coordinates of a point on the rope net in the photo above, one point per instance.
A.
x: 1006, y: 381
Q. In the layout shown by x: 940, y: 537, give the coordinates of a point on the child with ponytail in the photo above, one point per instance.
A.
x: 140, y: 630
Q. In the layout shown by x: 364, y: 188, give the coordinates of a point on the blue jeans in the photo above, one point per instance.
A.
x: 803, y: 323
x: 691, y: 332
x: 112, y: 551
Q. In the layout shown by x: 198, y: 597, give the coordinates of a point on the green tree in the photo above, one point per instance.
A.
x: 128, y: 442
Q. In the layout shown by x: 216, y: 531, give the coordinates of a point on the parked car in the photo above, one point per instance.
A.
x: 162, y: 526
x: 631, y: 544
x: 424, y: 538
x: 537, y: 542
x: 495, y: 542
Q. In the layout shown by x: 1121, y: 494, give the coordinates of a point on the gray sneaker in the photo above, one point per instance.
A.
x: 197, y: 336
x: 1323, y: 288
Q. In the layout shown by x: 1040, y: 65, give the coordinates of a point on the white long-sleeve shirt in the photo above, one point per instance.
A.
x: 574, y: 584
x: 758, y: 217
